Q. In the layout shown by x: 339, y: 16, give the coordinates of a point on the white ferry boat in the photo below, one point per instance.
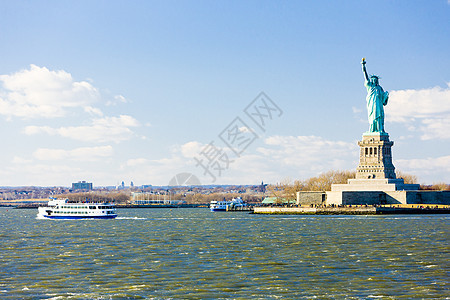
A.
x: 67, y: 209
x: 222, y: 205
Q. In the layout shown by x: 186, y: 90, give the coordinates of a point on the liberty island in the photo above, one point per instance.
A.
x: 376, y: 182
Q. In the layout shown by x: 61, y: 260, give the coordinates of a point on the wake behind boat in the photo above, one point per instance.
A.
x: 66, y: 209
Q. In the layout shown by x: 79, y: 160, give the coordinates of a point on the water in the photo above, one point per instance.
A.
x: 196, y: 254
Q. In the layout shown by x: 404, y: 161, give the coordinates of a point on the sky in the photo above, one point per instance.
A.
x: 230, y: 92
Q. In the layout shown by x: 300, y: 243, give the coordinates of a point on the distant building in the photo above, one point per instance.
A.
x: 82, y: 185
x: 154, y: 199
x: 262, y: 187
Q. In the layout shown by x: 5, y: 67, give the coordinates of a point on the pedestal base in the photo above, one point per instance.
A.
x: 384, y: 184
x: 375, y: 157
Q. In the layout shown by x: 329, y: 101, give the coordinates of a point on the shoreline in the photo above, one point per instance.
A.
x: 355, y: 210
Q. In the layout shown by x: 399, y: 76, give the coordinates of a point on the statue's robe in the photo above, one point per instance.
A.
x: 376, y: 99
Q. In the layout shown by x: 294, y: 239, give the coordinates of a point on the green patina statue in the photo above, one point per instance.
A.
x: 376, y: 99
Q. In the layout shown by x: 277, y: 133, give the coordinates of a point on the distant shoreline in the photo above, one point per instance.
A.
x: 36, y: 205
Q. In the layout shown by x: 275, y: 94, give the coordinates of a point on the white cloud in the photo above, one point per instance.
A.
x: 20, y: 160
x: 77, y: 154
x: 121, y: 98
x: 105, y: 129
x: 298, y: 157
x: 93, y: 111
x: 244, y: 129
x: 40, y: 93
x: 426, y: 111
x: 134, y: 162
x: 117, y: 99
x: 158, y: 171
x: 438, y: 128
x: 60, y: 173
x: 46, y: 174
x: 430, y: 167
x: 191, y: 149
x: 356, y: 110
x: 302, y: 150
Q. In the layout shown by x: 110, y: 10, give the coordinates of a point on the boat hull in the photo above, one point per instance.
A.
x: 78, y: 217
x: 218, y: 209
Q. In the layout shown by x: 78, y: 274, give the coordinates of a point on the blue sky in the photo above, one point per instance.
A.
x: 112, y: 91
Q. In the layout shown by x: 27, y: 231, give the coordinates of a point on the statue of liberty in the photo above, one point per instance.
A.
x: 376, y: 99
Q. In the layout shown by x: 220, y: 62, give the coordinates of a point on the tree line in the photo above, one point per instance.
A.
x: 287, y: 189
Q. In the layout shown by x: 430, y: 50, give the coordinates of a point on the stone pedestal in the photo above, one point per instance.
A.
x: 375, y: 157
x: 375, y: 176
x: 374, y: 185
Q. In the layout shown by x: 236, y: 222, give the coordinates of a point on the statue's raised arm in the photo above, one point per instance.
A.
x: 363, y: 63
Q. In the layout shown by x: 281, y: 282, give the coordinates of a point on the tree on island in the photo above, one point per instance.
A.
x: 440, y: 186
x: 407, y: 178
x: 287, y: 189
x: 116, y: 197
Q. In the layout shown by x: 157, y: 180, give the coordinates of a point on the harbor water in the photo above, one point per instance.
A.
x: 196, y: 254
